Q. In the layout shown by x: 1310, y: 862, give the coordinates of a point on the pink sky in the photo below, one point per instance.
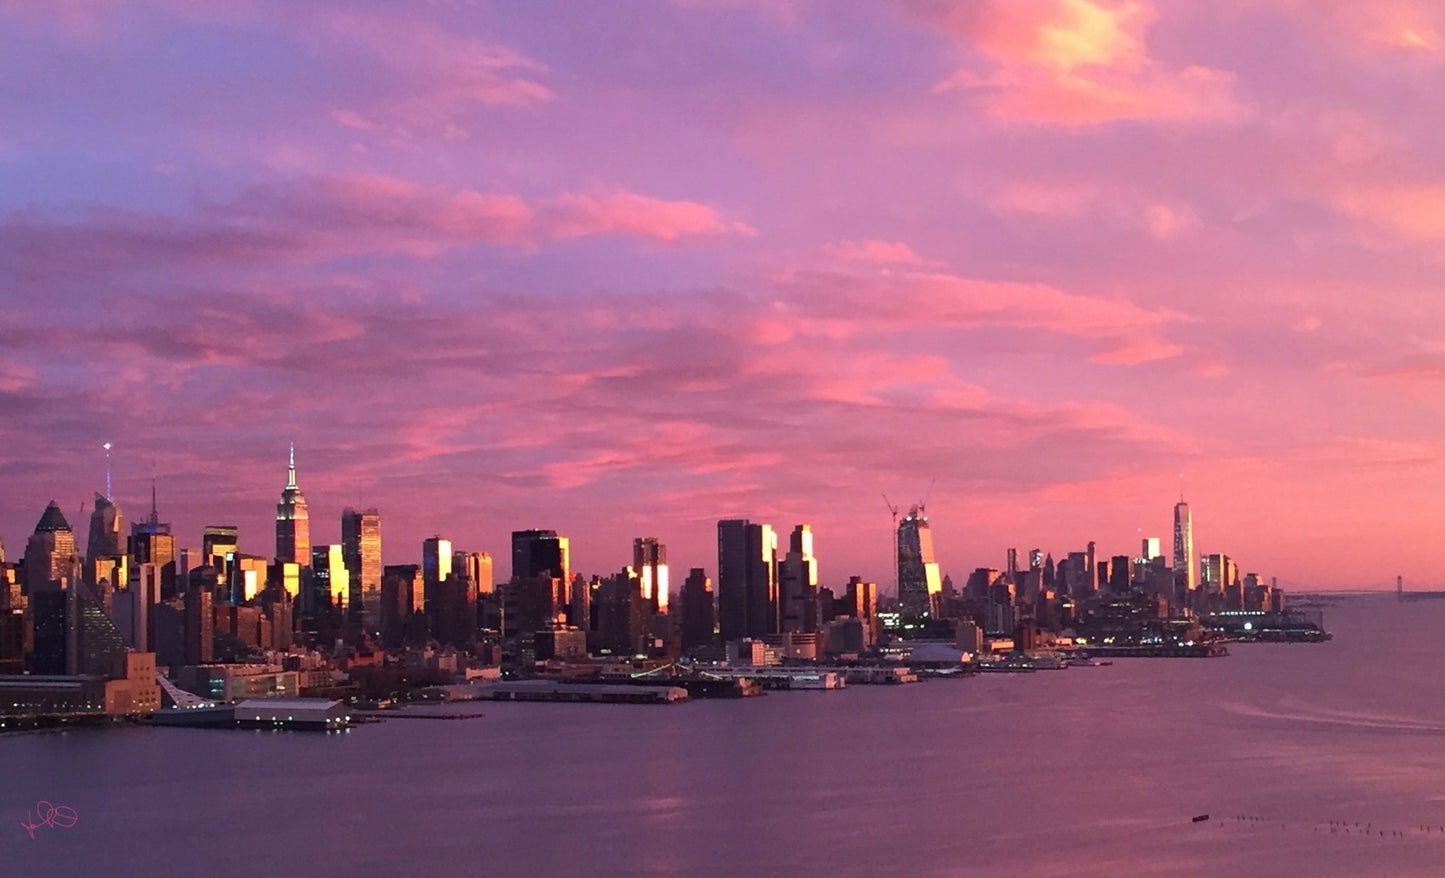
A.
x: 626, y: 269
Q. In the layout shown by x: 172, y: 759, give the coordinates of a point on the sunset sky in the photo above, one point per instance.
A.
x: 624, y: 269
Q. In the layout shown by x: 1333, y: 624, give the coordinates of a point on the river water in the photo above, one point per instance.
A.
x: 1089, y: 771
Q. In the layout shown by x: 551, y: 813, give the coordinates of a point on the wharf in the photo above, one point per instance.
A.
x: 585, y: 693
x: 379, y: 715
x: 1179, y: 650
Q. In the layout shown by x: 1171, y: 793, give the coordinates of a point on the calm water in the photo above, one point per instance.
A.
x: 1083, y: 772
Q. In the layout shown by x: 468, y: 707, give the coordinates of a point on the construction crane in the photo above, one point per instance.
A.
x: 923, y: 504
x: 893, y: 540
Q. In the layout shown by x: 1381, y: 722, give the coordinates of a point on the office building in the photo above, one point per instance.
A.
x: 106, y: 527
x: 1185, y: 573
x: 919, y: 582
x: 219, y: 542
x: 293, y: 522
x: 649, y: 561
x: 798, y: 583
x: 361, y: 545
x: 747, y: 579
x: 699, y: 612
x: 330, y: 578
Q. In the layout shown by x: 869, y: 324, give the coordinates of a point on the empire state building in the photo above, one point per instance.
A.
x: 293, y: 524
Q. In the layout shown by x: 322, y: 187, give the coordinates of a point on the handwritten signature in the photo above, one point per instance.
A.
x: 53, y: 816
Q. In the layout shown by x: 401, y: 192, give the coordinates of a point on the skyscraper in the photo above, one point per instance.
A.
x: 699, y: 615
x: 1185, y: 573
x: 106, y: 526
x: 747, y: 579
x: 918, y: 580
x: 649, y: 561
x: 436, y: 567
x: 361, y: 545
x: 217, y: 542
x: 293, y: 523
x: 50, y: 552
x: 330, y: 579
x: 798, y: 582
x: 542, y: 553
x: 151, y: 542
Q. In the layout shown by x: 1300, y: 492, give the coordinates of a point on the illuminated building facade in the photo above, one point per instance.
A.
x: 219, y: 544
x: 361, y: 544
x: 330, y: 577
x: 649, y: 562
x: 798, y: 583
x: 1186, y: 575
x: 919, y: 582
x: 293, y: 522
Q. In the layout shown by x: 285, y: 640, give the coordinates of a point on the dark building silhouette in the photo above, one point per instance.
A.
x: 747, y: 583
x: 699, y: 612
x: 623, y: 615
x: 402, y: 592
x: 151, y: 542
x: 529, y: 604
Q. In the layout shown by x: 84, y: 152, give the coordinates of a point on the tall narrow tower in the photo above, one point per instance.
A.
x: 293, y: 523
x: 1186, y: 572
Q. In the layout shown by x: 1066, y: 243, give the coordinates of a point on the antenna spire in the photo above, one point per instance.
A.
x: 155, y: 516
x: 291, y: 468
x: 108, y: 496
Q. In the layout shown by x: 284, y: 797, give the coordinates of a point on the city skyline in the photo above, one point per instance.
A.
x: 762, y: 260
x: 539, y: 551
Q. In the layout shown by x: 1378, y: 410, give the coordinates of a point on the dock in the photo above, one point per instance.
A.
x: 585, y: 693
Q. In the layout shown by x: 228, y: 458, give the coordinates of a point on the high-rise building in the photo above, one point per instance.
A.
x: 1150, y: 548
x: 106, y: 527
x: 293, y: 522
x: 151, y: 542
x: 919, y: 582
x: 219, y: 544
x: 50, y: 552
x: 402, y: 604
x: 436, y: 566
x: 649, y: 561
x: 699, y: 613
x: 361, y: 542
x: 542, y: 553
x: 330, y: 578
x: 747, y: 579
x: 1185, y: 573
x: 798, y: 583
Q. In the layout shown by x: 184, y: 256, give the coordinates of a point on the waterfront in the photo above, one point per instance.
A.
x: 1084, y: 772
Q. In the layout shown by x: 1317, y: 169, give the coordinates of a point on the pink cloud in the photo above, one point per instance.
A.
x: 626, y: 213
x: 1079, y: 62
x: 1410, y: 211
x: 881, y: 252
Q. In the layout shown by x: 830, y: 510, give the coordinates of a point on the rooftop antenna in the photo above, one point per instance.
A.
x: 106, y: 446
x: 1181, y: 487
x: 291, y: 468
